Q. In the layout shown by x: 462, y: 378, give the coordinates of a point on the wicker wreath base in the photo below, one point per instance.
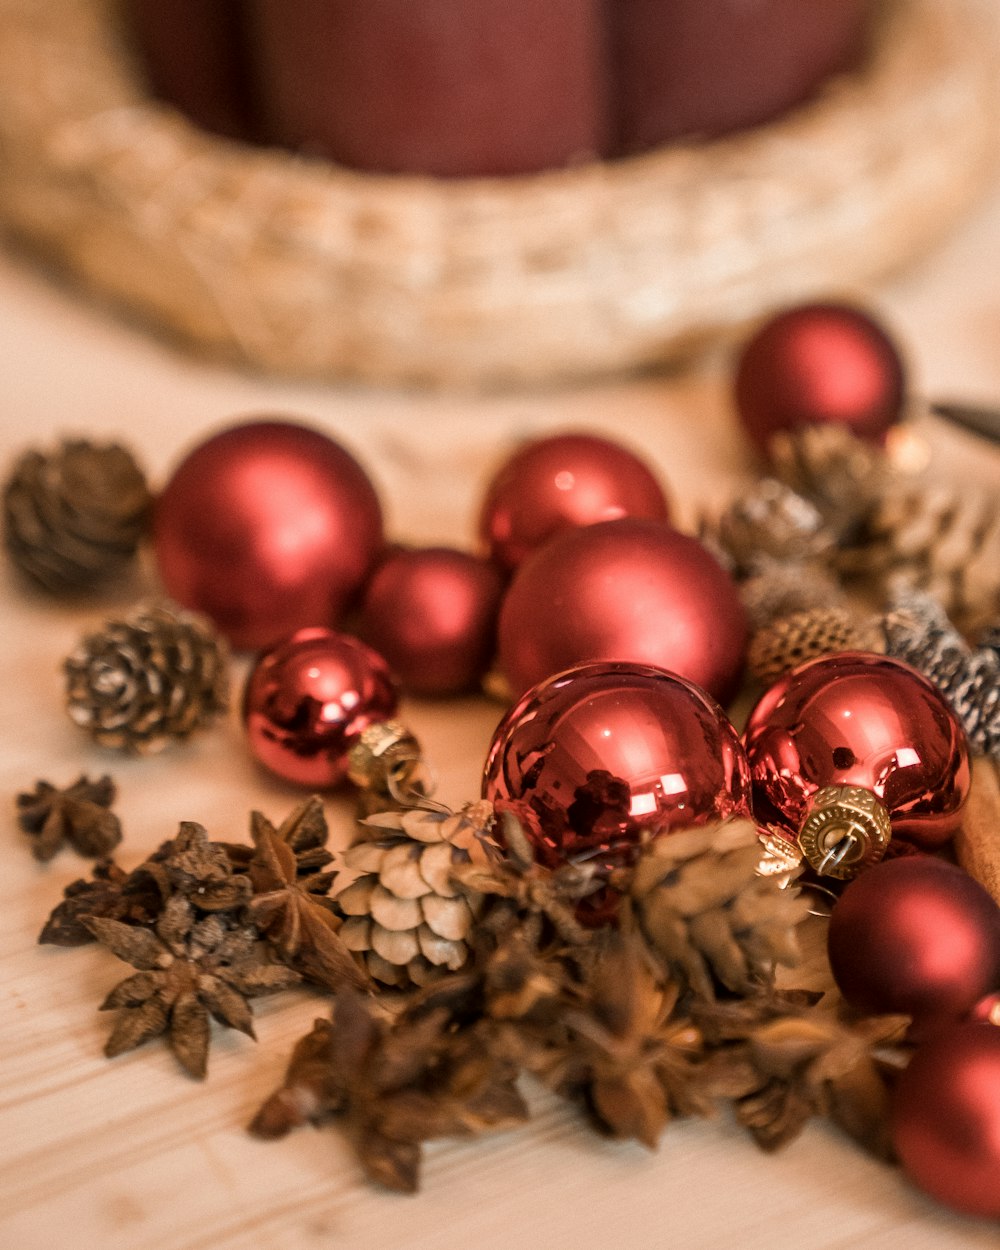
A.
x: 300, y: 266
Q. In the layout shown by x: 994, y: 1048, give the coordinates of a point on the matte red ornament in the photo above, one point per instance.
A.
x: 864, y: 721
x: 309, y: 699
x: 945, y: 1119
x: 819, y: 364
x: 596, y: 755
x: 630, y: 590
x: 267, y: 527
x: 917, y: 936
x: 431, y: 612
x: 556, y: 483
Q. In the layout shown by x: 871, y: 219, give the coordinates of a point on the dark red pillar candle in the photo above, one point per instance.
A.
x: 446, y: 87
x: 193, y: 52
x: 702, y: 68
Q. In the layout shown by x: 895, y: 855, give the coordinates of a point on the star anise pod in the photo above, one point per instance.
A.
x: 293, y: 910
x: 111, y: 893
x: 200, y: 870
x: 189, y: 971
x: 79, y: 815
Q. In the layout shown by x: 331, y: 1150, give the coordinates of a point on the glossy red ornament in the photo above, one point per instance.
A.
x: 267, y: 527
x: 431, y: 612
x: 556, y: 483
x: 862, y: 720
x: 945, y: 1119
x: 599, y: 753
x: 917, y: 936
x: 819, y: 364
x: 630, y: 590
x: 307, y: 701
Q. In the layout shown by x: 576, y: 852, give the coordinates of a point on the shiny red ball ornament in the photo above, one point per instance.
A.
x: 431, y: 612
x: 631, y: 590
x: 865, y: 723
x: 917, y: 936
x: 557, y: 483
x: 266, y: 527
x: 945, y: 1118
x: 307, y: 701
x: 596, y: 755
x: 819, y: 364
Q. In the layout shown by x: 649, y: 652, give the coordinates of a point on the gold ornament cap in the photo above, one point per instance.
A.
x: 385, y: 755
x: 847, y: 828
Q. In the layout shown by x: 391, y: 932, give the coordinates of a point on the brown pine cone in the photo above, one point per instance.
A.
x: 792, y: 640
x: 769, y: 522
x: 159, y: 675
x: 74, y: 517
x: 777, y: 590
x: 404, y: 914
x: 842, y: 475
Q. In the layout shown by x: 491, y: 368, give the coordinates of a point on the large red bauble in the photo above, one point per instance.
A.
x: 945, y: 1120
x: 432, y: 612
x: 267, y: 527
x: 917, y: 936
x: 556, y: 483
x: 819, y: 364
x: 309, y: 699
x: 630, y: 590
x: 858, y: 719
x: 596, y: 755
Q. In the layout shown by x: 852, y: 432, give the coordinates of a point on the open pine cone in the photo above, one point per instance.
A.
x: 404, y: 915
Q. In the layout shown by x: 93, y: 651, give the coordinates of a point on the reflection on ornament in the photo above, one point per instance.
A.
x: 605, y: 755
x: 844, y: 748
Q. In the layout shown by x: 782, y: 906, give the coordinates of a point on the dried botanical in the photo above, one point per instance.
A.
x: 110, y: 893
x: 79, y: 815
x: 198, y: 869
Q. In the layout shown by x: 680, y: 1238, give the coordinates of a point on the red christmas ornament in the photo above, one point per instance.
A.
x: 596, y: 755
x: 945, y: 1120
x: 819, y: 364
x: 917, y: 936
x: 267, y: 527
x: 557, y: 483
x: 309, y: 699
x: 631, y: 590
x: 849, y: 747
x: 432, y: 613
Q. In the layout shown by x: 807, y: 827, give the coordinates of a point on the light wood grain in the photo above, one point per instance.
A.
x: 104, y: 1155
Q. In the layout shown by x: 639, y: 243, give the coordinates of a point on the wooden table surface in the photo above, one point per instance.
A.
x: 130, y: 1153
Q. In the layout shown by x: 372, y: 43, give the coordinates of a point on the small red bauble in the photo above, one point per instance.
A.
x: 560, y: 482
x: 866, y: 722
x: 629, y: 590
x: 818, y: 364
x: 308, y: 700
x: 596, y: 755
x: 431, y: 612
x: 945, y: 1120
x: 267, y: 527
x: 917, y: 936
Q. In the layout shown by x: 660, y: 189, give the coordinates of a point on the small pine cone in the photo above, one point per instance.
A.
x: 138, y: 683
x: 779, y: 590
x: 74, y: 517
x: 769, y: 522
x: 792, y: 640
x: 404, y: 915
x: 842, y: 475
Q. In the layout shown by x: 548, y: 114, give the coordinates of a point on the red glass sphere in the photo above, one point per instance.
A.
x: 857, y: 719
x: 308, y: 700
x: 631, y: 590
x: 818, y: 364
x: 432, y: 612
x: 266, y: 527
x: 560, y: 482
x: 945, y: 1119
x: 917, y: 936
x: 597, y: 754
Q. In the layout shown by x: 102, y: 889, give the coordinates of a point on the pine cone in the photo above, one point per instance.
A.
x: 74, y: 517
x: 843, y: 476
x: 404, y: 913
x: 770, y: 522
x: 803, y: 636
x: 777, y: 590
x: 158, y: 675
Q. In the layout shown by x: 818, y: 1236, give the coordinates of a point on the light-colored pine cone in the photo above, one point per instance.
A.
x: 792, y: 640
x: 404, y: 915
x: 842, y: 475
x: 769, y: 522
x: 141, y: 682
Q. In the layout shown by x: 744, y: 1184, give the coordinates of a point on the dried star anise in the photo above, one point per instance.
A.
x: 111, y: 893
x: 79, y: 815
x: 188, y: 971
x: 200, y: 870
